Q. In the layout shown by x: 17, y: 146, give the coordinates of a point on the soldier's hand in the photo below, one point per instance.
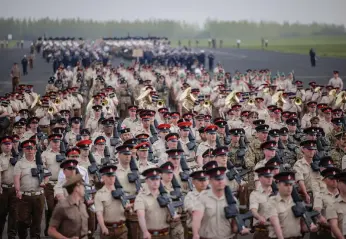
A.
x: 176, y: 217
x: 244, y: 231
x: 18, y: 195
x: 262, y: 220
x: 322, y: 220
x: 313, y: 228
x: 146, y: 235
x: 104, y: 230
x: 307, y: 198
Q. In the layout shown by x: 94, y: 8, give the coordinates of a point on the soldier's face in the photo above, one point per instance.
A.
x: 142, y: 154
x: 108, y: 180
x: 84, y: 153
x: 235, y: 138
x: 172, y: 144
x: 126, y: 136
x: 184, y: 133
x: 292, y: 128
x: 30, y: 153
x: 153, y: 183
x: 330, y: 182
x: 167, y: 177
x: 6, y: 147
x: 124, y: 158
x: 266, y: 181
x: 211, y: 137
x: 285, y: 189
x: 308, y: 153
x: 268, y: 154
x: 175, y: 162
x: 284, y: 137
x: 218, y: 185
x: 100, y: 147
x: 221, y: 160
x: 132, y: 113
x: 55, y: 145
x: 200, y: 185
x: 262, y: 136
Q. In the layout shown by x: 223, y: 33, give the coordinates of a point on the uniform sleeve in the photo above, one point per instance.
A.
x: 331, y: 212
x: 253, y: 201
x: 17, y: 170
x: 98, y: 202
x: 57, y: 217
x: 188, y: 203
x: 198, y: 206
x: 200, y: 150
x: 271, y: 209
x: 61, y: 176
x: 299, y: 176
x: 139, y: 203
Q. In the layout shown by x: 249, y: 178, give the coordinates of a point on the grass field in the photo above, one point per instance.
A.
x: 329, y: 46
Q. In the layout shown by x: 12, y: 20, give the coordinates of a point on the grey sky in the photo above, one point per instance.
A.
x: 194, y: 11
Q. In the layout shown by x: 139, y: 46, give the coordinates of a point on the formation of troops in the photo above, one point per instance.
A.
x: 159, y: 151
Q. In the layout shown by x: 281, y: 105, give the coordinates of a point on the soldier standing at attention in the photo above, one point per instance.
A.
x: 8, y: 199
x: 151, y: 217
x: 335, y: 213
x: 50, y: 162
x: 29, y: 192
x: 200, y: 180
x: 259, y: 202
x: 283, y: 222
x: 209, y: 220
x: 15, y: 75
x: 109, y: 211
x: 70, y: 217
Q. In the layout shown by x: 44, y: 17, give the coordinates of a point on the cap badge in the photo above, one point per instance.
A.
x: 202, y: 174
x: 111, y: 170
x: 334, y: 172
x: 176, y: 153
x: 127, y: 149
x: 71, y: 164
x: 289, y: 177
x: 154, y: 172
x: 275, y: 163
x: 218, y: 172
x: 312, y: 144
x: 222, y: 150
x: 213, y: 166
x: 268, y: 171
x: 169, y: 167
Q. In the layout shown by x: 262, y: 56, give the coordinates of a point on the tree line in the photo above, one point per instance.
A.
x: 30, y: 29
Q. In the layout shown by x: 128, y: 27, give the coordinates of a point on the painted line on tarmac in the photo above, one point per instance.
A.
x: 319, y: 77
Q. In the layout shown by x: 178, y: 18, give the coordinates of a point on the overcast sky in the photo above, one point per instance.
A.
x: 194, y: 11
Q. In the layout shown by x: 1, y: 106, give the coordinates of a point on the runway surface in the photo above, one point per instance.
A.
x: 231, y: 59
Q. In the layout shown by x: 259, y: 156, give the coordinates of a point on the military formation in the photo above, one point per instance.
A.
x: 157, y: 150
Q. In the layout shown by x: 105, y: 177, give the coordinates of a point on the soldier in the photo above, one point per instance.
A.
x: 200, y: 181
x: 327, y: 199
x: 254, y: 154
x: 293, y: 137
x: 159, y: 146
x: 174, y: 122
x: 92, y: 123
x: 210, y: 143
x: 15, y: 75
x: 70, y: 217
x: 32, y: 125
x: 142, y: 156
x: 125, y: 98
x: 132, y: 121
x: 99, y: 144
x: 275, y: 121
x: 29, y: 192
x: 176, y: 227
x: 71, y: 136
x: 283, y: 223
x: 186, y: 144
x: 84, y: 147
x: 335, y: 213
x: 208, y: 221
x: 259, y: 202
x: 145, y: 126
x: 110, y: 213
x: 52, y: 163
x: 152, y: 217
x: 8, y: 199
x: 339, y: 151
x: 326, y: 120
x: 336, y: 81
x: 308, y: 180
x: 337, y: 127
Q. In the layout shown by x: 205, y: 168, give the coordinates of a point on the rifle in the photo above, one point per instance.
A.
x: 176, y: 193
x: 231, y: 210
x: 165, y: 201
x: 93, y: 168
x: 14, y: 158
x: 107, y: 155
x: 154, y: 136
x: 61, y: 157
x: 275, y: 189
x: 191, y: 145
x: 300, y: 210
x: 242, y: 150
x: 115, y: 140
x: 185, y: 175
x: 133, y: 177
x: 227, y: 139
x: 39, y: 172
x: 88, y: 196
x: 119, y: 194
x: 233, y: 173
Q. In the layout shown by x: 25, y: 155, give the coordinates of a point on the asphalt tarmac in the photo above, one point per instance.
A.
x: 231, y: 59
